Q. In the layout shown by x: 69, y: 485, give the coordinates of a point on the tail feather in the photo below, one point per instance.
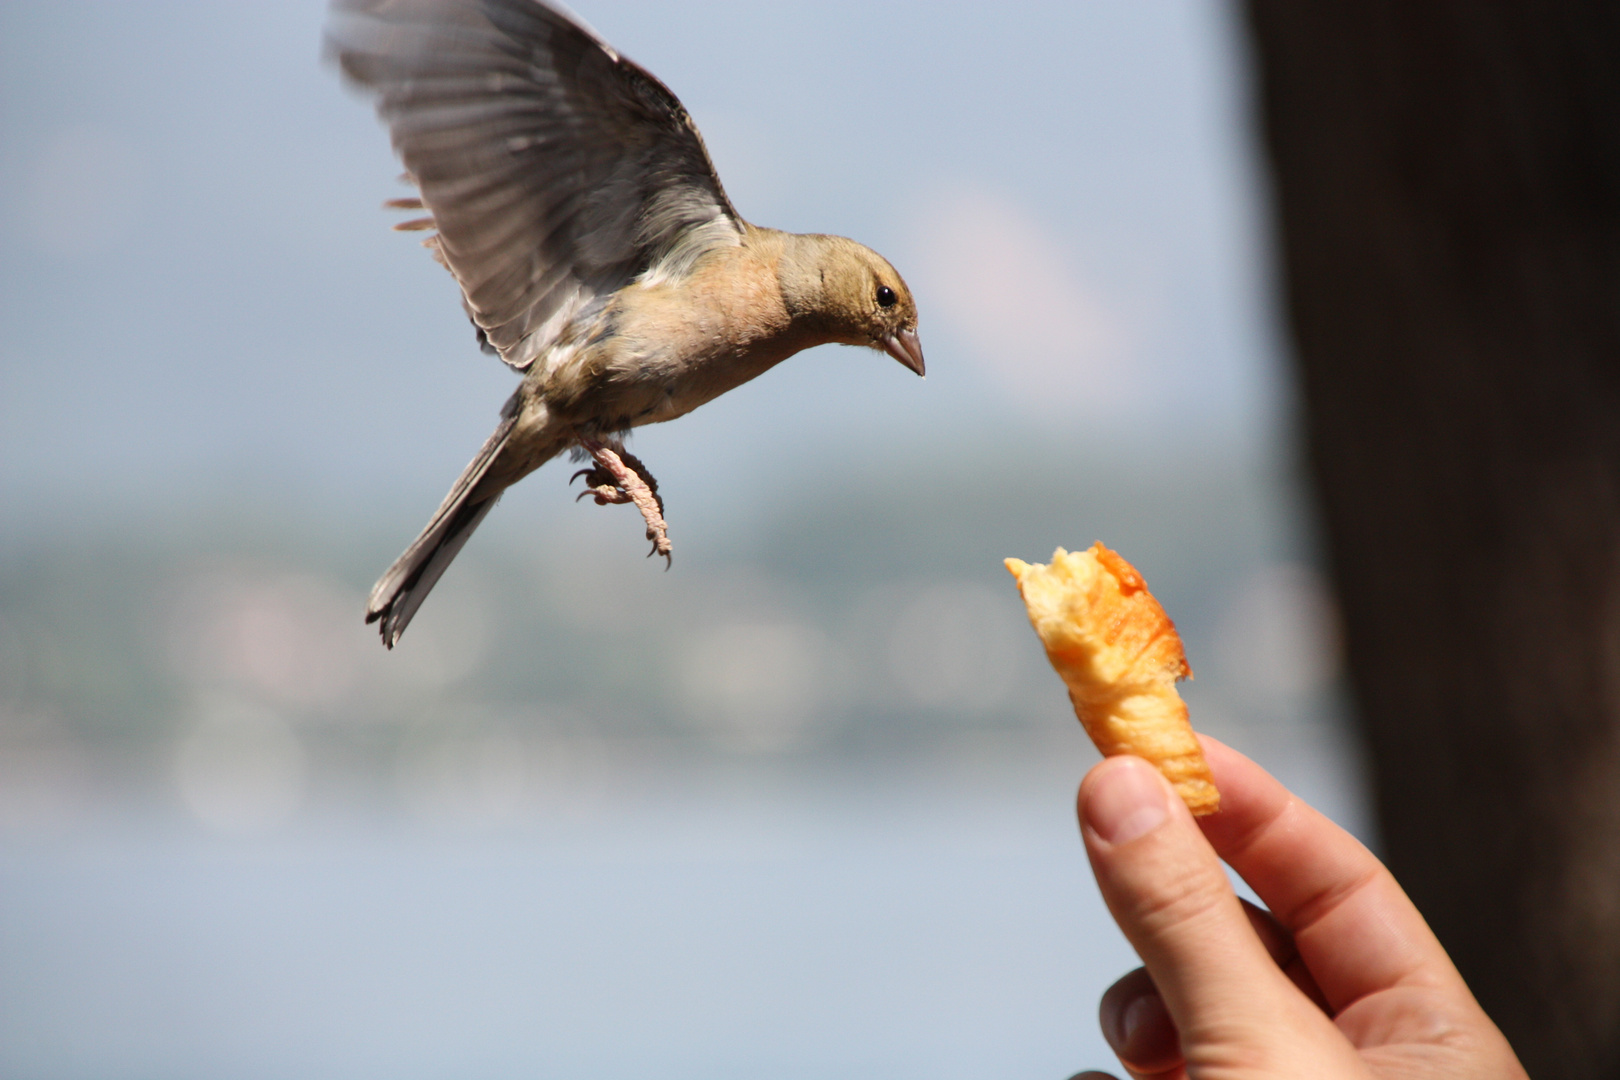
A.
x: 400, y: 591
x: 423, y: 570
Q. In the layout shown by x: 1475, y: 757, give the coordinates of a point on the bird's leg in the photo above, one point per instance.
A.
x: 620, y: 477
x: 602, y: 485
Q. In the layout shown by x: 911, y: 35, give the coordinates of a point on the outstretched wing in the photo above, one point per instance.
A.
x: 556, y: 171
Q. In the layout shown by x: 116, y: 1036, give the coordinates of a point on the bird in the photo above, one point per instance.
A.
x: 571, y: 196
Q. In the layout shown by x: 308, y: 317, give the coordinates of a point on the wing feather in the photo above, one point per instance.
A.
x: 556, y: 171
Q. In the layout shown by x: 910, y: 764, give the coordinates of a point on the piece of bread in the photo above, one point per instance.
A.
x: 1120, y: 656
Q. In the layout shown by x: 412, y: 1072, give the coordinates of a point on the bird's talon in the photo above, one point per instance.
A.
x: 605, y: 494
x: 625, y: 479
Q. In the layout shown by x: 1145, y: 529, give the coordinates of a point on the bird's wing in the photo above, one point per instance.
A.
x: 556, y: 170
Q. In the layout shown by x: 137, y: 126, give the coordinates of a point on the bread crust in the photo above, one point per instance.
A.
x: 1120, y: 656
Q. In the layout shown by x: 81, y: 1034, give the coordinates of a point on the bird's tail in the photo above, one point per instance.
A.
x: 401, y: 590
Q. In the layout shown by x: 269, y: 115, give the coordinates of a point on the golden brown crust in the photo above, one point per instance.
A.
x: 1120, y: 656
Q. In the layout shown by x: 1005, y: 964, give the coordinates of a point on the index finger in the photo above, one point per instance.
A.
x: 1352, y: 923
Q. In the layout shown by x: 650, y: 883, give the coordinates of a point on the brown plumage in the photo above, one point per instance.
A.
x: 595, y: 248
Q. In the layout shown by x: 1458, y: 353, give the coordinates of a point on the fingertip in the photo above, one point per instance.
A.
x: 1220, y: 754
x: 1137, y: 1025
x: 1248, y: 793
x: 1123, y: 798
x: 1224, y: 762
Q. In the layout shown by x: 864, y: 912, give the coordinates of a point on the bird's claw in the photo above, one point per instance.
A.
x: 620, y: 477
x: 604, y: 495
x: 600, y: 485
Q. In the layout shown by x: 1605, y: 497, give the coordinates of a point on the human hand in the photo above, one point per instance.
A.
x: 1342, y: 978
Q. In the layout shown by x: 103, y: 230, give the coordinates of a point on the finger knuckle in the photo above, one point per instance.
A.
x: 1187, y: 899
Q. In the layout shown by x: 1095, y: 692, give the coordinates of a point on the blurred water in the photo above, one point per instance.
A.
x: 931, y: 917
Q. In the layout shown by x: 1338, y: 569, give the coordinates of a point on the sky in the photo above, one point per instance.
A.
x: 202, y: 297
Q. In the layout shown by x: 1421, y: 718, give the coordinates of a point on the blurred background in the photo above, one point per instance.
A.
x: 802, y: 804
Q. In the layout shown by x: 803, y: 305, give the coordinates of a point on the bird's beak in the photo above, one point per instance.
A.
x: 904, y: 347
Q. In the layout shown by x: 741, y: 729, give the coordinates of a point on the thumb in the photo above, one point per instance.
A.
x: 1165, y: 887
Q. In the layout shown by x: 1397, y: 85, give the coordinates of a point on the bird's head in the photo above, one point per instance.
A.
x: 849, y: 294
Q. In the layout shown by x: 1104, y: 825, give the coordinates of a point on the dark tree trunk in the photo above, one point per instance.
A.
x: 1447, y: 176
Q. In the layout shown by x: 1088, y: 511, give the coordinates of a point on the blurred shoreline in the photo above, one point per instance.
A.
x: 845, y: 620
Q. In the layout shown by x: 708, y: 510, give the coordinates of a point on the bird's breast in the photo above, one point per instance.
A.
x: 665, y: 349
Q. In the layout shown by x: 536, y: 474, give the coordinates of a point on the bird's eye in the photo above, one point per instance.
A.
x: 885, y: 296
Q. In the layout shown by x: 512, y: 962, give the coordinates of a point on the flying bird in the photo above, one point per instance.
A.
x: 571, y: 196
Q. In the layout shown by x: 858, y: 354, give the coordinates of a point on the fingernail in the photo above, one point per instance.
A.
x: 1139, y: 1015
x: 1148, y: 1039
x: 1138, y: 1027
x: 1126, y: 801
